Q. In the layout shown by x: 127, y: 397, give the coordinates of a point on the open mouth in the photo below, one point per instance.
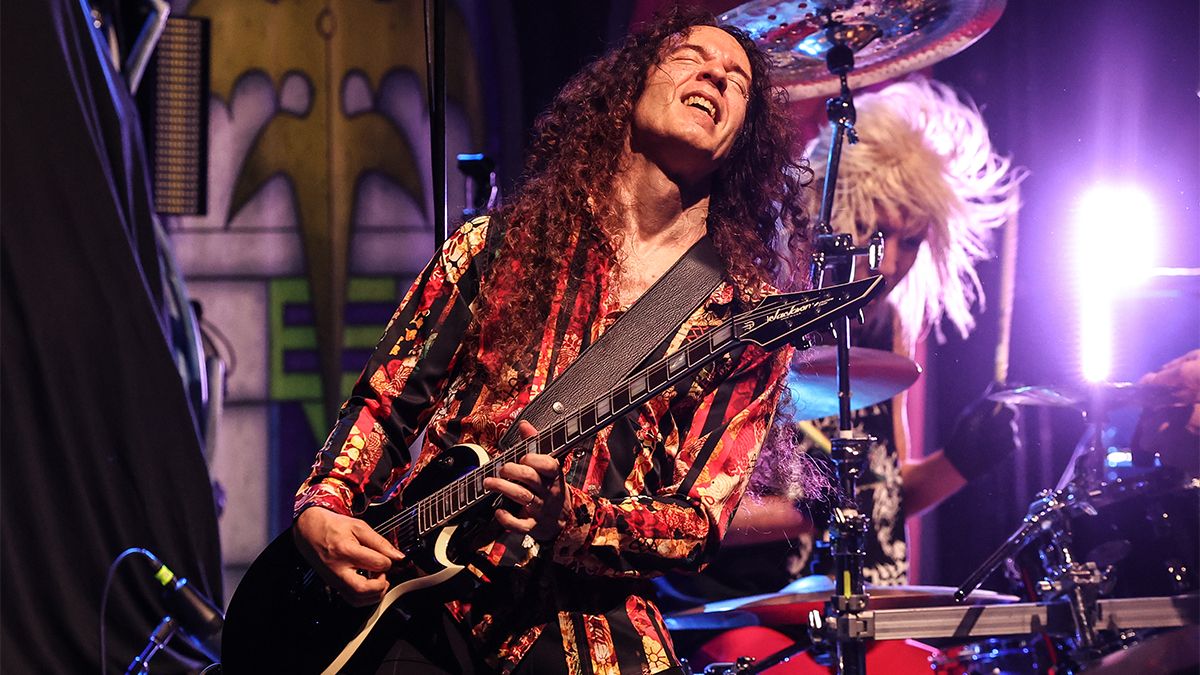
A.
x: 701, y: 103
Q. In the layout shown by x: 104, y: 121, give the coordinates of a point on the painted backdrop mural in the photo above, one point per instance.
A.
x: 318, y: 218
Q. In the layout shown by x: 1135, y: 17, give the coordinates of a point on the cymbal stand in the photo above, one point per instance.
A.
x: 1079, y: 582
x: 836, y: 253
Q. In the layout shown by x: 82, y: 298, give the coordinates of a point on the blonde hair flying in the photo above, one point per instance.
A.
x: 925, y: 154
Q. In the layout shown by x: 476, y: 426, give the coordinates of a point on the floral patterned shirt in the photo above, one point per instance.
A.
x: 654, y: 492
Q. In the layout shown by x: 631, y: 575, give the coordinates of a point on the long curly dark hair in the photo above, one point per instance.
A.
x: 756, y: 213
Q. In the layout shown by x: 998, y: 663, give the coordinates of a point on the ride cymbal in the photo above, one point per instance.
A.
x: 1111, y: 394
x: 875, y: 375
x: 889, y: 37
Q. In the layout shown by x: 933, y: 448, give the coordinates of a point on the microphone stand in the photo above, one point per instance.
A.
x: 435, y: 55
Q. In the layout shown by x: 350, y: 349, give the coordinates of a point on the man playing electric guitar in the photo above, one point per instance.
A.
x: 675, y: 135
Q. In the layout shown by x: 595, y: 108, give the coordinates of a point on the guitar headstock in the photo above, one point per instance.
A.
x: 778, y: 318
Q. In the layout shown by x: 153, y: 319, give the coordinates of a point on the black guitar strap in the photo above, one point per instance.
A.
x: 614, y: 355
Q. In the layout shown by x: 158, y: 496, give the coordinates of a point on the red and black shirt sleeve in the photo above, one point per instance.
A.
x: 403, y: 382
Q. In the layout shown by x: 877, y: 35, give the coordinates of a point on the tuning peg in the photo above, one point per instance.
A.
x: 875, y: 251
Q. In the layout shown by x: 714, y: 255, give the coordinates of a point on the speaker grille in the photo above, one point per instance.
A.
x: 177, y: 86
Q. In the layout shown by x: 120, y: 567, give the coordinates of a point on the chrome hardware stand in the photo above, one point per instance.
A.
x: 836, y: 253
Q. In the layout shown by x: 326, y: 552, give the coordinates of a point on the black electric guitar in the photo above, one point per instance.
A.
x: 282, y: 618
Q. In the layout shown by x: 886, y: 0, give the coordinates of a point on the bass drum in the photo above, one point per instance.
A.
x: 889, y: 656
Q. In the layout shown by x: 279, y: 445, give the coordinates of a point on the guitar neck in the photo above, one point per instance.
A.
x: 569, y: 430
x: 769, y: 324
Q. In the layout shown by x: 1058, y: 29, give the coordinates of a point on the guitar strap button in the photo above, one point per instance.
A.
x: 558, y: 407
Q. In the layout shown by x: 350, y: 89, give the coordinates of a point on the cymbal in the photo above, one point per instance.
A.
x: 1111, y: 394
x: 791, y: 609
x: 875, y: 375
x: 888, y: 38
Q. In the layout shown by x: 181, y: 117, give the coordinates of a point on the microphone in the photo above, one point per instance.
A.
x: 197, y: 616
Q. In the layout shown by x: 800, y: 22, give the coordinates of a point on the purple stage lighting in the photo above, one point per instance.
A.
x: 1115, y: 229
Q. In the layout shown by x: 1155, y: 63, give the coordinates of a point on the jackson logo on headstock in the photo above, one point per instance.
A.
x: 788, y: 311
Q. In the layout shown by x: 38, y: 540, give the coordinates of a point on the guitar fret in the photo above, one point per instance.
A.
x: 620, y: 399
x: 637, y: 387
x: 657, y: 377
x: 721, y: 333
x: 677, y: 362
x: 572, y: 427
x: 603, y: 407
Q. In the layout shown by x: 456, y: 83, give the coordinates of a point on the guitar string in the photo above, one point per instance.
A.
x: 433, y: 501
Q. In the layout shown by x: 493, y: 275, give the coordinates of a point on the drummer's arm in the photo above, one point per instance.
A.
x: 765, y: 519
x: 928, y: 482
x: 985, y: 435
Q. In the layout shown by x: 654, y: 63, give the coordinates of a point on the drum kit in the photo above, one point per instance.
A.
x: 1104, y: 563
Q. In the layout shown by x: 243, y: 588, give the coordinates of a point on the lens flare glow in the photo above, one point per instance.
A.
x: 1114, y: 252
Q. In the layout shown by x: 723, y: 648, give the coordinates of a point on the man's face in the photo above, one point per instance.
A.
x: 694, y: 104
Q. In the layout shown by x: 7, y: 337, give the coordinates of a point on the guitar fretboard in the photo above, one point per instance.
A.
x: 784, y: 316
x: 573, y: 428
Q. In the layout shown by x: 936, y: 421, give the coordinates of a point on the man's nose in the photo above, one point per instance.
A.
x: 713, y: 71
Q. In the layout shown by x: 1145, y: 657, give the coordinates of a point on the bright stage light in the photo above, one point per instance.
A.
x: 1114, y: 233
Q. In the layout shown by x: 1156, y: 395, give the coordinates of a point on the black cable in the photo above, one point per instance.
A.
x: 112, y: 569
x: 197, y: 618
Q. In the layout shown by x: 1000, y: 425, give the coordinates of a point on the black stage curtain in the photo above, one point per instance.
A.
x: 100, y: 450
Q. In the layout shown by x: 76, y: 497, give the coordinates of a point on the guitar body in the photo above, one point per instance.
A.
x: 283, y: 618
